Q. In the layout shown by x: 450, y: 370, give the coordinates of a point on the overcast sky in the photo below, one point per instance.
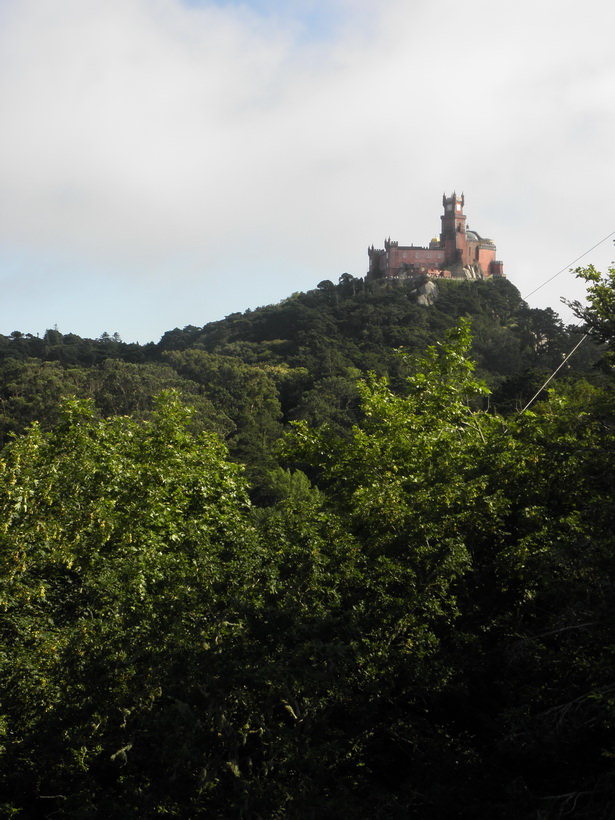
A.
x: 165, y: 162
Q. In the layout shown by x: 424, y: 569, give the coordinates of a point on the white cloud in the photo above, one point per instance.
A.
x: 236, y: 153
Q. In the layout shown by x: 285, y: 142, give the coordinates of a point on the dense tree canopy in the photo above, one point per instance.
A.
x: 125, y: 552
x: 250, y: 374
x: 402, y: 608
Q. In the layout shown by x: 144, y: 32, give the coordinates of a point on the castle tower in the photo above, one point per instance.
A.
x: 453, y: 235
x: 459, y: 253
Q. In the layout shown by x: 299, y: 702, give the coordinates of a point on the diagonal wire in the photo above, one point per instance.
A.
x: 555, y: 372
x: 568, y: 266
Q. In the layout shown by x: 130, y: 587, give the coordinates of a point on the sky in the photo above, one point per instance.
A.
x: 166, y: 163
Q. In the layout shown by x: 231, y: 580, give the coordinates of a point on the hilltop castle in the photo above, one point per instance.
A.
x: 459, y: 253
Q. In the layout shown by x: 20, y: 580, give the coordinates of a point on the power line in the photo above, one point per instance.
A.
x: 555, y: 372
x: 568, y: 266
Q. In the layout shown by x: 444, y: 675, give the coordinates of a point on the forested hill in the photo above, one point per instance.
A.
x: 406, y: 612
x: 250, y: 373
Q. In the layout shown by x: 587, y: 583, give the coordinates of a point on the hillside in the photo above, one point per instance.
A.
x: 252, y: 372
x: 400, y: 607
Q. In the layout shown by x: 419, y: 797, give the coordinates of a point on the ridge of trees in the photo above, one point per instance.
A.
x: 251, y: 373
x: 412, y: 618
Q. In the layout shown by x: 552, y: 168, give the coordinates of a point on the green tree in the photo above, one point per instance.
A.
x: 539, y: 607
x: 410, y: 485
x: 126, y: 560
x: 31, y: 390
x: 598, y: 314
x: 245, y: 394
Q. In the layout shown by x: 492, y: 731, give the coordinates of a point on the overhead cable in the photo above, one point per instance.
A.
x: 555, y: 372
x: 568, y: 266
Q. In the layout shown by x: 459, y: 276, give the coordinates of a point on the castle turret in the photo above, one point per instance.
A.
x: 453, y: 236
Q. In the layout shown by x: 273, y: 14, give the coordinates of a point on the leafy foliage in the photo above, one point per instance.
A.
x: 414, y: 618
x: 598, y: 314
x: 125, y: 549
x: 250, y: 374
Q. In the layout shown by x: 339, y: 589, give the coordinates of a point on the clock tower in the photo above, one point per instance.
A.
x: 453, y: 235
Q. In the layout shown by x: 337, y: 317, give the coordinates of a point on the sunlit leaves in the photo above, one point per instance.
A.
x: 125, y: 546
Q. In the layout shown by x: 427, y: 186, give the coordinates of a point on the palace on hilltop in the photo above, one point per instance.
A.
x: 459, y: 253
